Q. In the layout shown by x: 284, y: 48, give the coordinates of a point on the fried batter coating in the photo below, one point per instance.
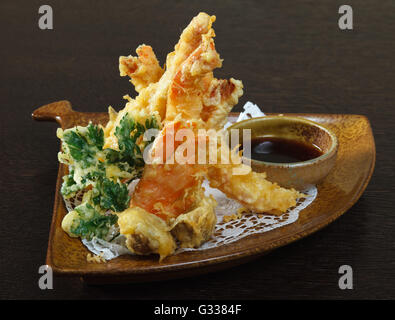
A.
x: 142, y: 70
x: 192, y: 80
x: 195, y: 227
x: 153, y: 98
x: 168, y: 202
x: 219, y: 101
x: 145, y: 233
x: 196, y: 95
x: 252, y: 189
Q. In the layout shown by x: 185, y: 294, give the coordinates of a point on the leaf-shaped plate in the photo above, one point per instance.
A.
x: 336, y: 194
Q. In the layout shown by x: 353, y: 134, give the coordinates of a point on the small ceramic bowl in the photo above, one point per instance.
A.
x: 298, y: 175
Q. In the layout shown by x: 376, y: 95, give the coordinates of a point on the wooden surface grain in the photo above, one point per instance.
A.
x: 291, y: 56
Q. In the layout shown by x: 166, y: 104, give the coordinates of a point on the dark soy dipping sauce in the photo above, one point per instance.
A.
x: 282, y: 150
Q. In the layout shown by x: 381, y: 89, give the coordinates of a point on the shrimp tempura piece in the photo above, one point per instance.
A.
x: 152, y: 99
x: 190, y: 39
x: 142, y: 70
x: 252, y: 190
x: 219, y: 100
x: 196, y: 95
x: 192, y: 80
x: 237, y: 180
x: 169, y: 198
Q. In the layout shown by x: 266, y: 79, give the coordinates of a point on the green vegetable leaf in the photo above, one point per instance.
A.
x: 79, y: 147
x: 111, y: 195
x: 127, y: 133
x: 91, y: 223
x: 95, y: 136
x: 83, y: 146
x: 69, y: 186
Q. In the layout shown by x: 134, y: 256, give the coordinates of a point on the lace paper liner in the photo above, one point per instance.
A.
x: 249, y: 223
x: 225, y: 232
x: 73, y: 202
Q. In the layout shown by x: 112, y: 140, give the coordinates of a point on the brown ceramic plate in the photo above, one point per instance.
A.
x: 336, y: 194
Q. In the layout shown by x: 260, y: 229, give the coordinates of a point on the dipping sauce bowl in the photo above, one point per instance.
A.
x: 296, y: 131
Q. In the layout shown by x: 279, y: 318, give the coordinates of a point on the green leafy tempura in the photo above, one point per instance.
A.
x: 104, y: 172
x: 110, y: 195
x: 92, y: 223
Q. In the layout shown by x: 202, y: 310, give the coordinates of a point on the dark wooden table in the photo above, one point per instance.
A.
x: 291, y: 56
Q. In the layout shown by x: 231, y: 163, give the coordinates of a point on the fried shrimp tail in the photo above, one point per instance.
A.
x: 252, y: 190
x: 143, y: 69
x: 219, y: 100
x: 237, y: 180
x: 191, y: 81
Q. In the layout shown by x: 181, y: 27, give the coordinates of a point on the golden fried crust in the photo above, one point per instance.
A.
x: 219, y: 101
x: 152, y: 97
x: 187, y: 92
x: 192, y: 81
x: 252, y: 189
x: 193, y: 228
x: 145, y: 232
x: 143, y: 69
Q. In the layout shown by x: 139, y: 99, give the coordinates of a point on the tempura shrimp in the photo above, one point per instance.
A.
x: 173, y: 193
x: 169, y: 203
x: 142, y: 70
x: 152, y: 99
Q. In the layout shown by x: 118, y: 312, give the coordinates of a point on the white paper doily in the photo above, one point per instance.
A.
x: 225, y: 232
x: 249, y: 223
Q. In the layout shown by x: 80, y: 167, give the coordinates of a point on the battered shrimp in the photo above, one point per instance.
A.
x: 167, y: 190
x: 142, y: 70
x: 252, y: 190
x: 172, y: 193
x: 192, y: 80
x: 196, y: 95
x: 219, y: 100
x: 169, y: 199
x: 152, y: 99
